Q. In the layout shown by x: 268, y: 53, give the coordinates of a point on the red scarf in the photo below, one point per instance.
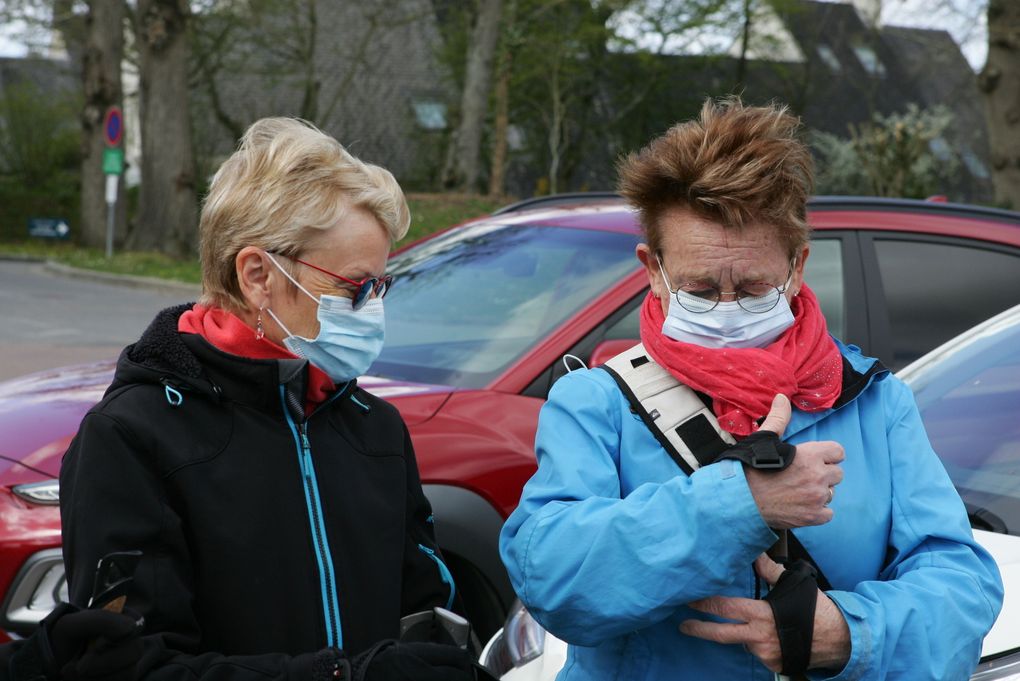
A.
x: 228, y: 333
x: 804, y: 364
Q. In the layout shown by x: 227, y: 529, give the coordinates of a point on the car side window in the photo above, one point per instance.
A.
x: 627, y: 327
x: 934, y: 291
x: 823, y: 272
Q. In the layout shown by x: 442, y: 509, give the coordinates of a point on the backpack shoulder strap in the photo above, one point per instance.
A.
x: 683, y: 424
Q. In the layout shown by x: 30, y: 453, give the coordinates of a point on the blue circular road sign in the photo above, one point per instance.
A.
x: 113, y: 126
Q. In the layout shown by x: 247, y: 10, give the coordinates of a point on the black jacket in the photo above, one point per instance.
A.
x: 205, y: 462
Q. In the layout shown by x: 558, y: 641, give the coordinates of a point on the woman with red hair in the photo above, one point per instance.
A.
x: 740, y: 426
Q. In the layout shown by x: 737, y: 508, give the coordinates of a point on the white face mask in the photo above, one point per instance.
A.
x: 727, y: 325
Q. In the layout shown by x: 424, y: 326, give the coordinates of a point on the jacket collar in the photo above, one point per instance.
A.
x: 859, y: 372
x: 188, y: 362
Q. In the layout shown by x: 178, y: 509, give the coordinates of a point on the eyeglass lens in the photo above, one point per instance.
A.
x: 706, y: 300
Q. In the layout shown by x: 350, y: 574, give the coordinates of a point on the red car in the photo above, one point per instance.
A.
x: 487, y: 315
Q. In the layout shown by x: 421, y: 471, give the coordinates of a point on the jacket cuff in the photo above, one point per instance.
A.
x: 321, y: 666
x: 856, y: 667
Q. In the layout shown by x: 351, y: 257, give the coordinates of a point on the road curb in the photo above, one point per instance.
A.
x: 126, y: 280
x: 15, y: 257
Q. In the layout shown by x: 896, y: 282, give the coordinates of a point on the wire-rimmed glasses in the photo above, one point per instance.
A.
x: 756, y: 297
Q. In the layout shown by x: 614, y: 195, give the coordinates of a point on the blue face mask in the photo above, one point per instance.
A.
x: 348, y: 341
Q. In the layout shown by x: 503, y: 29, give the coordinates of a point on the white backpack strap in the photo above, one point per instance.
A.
x: 685, y: 427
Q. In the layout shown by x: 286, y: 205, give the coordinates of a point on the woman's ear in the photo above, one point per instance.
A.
x: 798, y: 269
x: 253, y: 276
x: 651, y: 263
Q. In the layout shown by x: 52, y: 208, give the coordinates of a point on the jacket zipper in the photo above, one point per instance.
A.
x: 323, y: 555
x: 444, y: 572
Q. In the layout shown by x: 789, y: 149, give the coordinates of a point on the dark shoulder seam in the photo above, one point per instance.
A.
x: 854, y: 382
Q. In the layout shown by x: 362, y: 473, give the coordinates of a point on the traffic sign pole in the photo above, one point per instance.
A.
x: 112, y: 181
x: 113, y: 166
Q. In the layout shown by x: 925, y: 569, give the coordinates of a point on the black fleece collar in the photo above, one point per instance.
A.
x: 161, y: 347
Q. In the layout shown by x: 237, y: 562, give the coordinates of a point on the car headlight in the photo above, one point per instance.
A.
x: 1004, y: 668
x: 38, y: 588
x: 46, y: 493
x: 521, y: 640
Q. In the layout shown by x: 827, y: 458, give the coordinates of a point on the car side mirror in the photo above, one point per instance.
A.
x: 606, y: 350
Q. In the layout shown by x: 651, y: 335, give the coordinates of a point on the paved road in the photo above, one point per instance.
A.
x: 48, y: 320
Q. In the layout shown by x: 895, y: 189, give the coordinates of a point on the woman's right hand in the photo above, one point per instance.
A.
x: 80, y: 645
x: 797, y: 496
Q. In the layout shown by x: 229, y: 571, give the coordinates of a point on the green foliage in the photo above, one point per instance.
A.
x: 899, y: 155
x: 433, y: 212
x: 39, y: 157
x: 38, y: 133
x: 132, y: 263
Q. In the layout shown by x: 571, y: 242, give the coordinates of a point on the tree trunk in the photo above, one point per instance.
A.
x: 101, y: 57
x: 310, y: 100
x: 167, y: 210
x: 745, y: 39
x: 1000, y: 83
x: 462, y: 165
x: 556, y: 132
x: 501, y: 128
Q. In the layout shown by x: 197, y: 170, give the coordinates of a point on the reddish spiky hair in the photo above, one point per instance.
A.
x: 735, y: 164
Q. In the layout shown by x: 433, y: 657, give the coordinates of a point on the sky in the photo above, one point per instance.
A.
x: 964, y: 19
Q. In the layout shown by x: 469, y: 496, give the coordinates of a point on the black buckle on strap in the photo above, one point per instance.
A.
x: 762, y: 451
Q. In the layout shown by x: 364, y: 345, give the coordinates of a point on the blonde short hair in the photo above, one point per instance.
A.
x: 734, y: 164
x: 286, y: 182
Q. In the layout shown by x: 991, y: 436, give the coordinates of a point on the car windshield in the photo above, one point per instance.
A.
x: 969, y: 399
x: 469, y: 302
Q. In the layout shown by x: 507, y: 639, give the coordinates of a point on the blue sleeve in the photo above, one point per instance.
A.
x: 940, y: 591
x: 591, y: 564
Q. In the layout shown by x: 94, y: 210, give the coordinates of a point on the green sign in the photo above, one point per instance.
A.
x: 113, y: 161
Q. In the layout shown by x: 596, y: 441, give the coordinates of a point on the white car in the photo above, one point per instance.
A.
x: 968, y: 391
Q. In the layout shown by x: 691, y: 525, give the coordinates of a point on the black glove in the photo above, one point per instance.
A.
x: 80, y: 645
x: 393, y: 661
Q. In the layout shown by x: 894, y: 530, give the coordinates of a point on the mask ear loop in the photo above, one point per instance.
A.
x: 292, y: 279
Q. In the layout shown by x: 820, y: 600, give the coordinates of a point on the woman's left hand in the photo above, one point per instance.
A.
x: 754, y: 625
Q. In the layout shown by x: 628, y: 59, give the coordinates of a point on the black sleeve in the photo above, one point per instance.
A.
x: 7, y: 651
x: 113, y: 499
x: 427, y: 580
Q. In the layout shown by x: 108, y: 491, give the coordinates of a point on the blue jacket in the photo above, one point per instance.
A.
x: 611, y: 540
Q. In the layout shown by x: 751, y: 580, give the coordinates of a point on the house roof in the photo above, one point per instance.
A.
x: 48, y: 75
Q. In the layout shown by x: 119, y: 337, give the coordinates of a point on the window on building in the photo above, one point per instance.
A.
x: 940, y: 148
x: 869, y: 60
x: 430, y: 115
x: 827, y: 55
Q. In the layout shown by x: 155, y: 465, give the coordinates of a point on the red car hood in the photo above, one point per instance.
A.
x: 40, y: 413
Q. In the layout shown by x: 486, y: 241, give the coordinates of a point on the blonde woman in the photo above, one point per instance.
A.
x: 276, y: 504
